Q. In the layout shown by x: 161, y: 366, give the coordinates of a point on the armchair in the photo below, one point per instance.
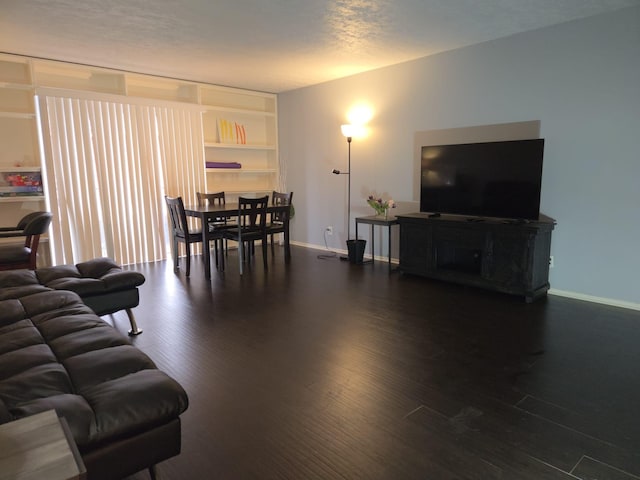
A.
x: 13, y: 257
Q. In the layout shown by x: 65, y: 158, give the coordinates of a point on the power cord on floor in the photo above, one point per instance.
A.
x: 331, y: 254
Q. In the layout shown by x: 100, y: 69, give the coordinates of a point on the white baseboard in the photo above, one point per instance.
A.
x: 319, y: 247
x: 591, y: 298
x: 340, y: 251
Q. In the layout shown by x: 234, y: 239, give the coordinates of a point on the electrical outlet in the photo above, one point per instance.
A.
x: 551, y: 261
x: 329, y: 230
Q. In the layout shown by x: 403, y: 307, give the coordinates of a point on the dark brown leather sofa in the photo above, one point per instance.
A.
x: 56, y: 353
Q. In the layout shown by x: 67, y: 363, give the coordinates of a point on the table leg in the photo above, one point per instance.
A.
x: 373, y: 251
x: 287, y: 245
x: 389, y: 246
x: 205, y: 249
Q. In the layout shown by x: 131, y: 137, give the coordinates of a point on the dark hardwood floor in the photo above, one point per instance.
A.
x: 320, y: 369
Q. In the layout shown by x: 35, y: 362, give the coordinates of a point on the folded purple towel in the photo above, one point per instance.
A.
x: 223, y: 165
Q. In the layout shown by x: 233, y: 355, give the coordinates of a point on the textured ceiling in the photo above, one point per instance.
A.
x: 268, y: 45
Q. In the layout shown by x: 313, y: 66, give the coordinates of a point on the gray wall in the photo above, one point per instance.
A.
x: 580, y: 80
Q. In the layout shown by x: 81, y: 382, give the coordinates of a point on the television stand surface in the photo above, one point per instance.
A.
x: 511, y: 258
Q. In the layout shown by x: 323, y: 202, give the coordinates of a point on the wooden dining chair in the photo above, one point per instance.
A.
x: 279, y: 222
x: 215, y: 224
x: 217, y: 198
x: 13, y: 257
x: 252, y: 226
x: 180, y: 232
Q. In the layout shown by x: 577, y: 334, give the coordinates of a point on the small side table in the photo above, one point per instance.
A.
x: 374, y: 220
x: 39, y: 446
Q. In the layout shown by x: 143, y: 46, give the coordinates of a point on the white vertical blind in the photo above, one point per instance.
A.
x: 108, y: 166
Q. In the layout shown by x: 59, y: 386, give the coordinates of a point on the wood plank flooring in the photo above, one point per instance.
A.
x: 320, y: 369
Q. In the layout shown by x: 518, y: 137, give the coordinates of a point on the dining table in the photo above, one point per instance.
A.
x: 213, y: 212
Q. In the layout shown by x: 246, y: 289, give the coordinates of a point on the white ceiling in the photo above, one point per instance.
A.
x: 268, y: 45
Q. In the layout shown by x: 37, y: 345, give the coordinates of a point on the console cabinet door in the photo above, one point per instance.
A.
x: 416, y: 252
x: 510, y: 260
x: 460, y: 250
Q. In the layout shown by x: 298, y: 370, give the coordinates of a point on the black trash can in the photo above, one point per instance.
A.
x: 356, y: 251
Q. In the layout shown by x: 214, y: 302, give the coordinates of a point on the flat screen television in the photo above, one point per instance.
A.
x: 491, y: 179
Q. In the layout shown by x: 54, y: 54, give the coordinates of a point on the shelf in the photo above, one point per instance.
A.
x: 76, y: 77
x: 249, y: 192
x: 16, y: 86
x: 241, y: 111
x: 17, y: 115
x: 20, y: 169
x: 17, y: 100
x: 240, y: 146
x: 24, y: 198
x: 161, y: 89
x: 241, y: 170
x: 234, y: 100
x: 15, y: 71
x: 19, y: 140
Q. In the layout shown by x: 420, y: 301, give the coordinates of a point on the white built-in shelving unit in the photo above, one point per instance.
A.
x: 19, y: 153
x: 255, y: 113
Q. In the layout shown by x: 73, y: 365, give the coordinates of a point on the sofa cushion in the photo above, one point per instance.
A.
x: 18, y: 283
x: 94, y: 277
x: 12, y: 278
x: 56, y: 353
x: 50, y: 274
x: 74, y: 408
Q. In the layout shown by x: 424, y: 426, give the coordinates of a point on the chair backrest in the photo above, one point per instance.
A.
x: 217, y: 198
x: 210, y: 198
x: 38, y: 225
x: 252, y: 213
x: 281, y: 199
x: 178, y: 216
x: 22, y: 224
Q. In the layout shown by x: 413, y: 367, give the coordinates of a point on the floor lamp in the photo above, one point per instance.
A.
x: 347, y: 131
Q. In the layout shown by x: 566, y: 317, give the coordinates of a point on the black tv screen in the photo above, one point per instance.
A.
x: 492, y: 179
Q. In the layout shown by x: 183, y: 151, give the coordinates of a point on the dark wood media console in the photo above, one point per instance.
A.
x: 506, y: 256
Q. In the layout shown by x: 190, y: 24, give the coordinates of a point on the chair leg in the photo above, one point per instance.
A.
x: 264, y: 253
x: 222, y: 254
x: 240, y: 255
x: 188, y: 254
x: 273, y: 252
x: 175, y: 255
x: 287, y: 245
x: 134, y: 326
x: 153, y: 472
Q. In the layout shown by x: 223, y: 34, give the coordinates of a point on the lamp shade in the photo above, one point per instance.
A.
x: 351, y: 130
x: 348, y: 130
